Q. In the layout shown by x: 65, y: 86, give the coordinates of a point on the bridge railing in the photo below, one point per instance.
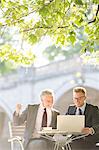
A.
x: 63, y: 67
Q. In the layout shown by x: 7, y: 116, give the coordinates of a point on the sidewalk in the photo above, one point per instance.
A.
x: 4, y: 145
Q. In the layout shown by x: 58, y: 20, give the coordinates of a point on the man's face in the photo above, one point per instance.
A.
x: 47, y: 101
x: 78, y: 98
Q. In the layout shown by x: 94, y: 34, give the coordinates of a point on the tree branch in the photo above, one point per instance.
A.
x: 25, y: 15
x: 95, y: 16
x: 44, y: 27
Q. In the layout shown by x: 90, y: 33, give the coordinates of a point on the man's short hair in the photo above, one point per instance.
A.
x: 47, y: 92
x: 80, y: 89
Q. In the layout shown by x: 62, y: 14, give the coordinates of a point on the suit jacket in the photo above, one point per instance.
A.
x: 29, y: 115
x: 91, y: 120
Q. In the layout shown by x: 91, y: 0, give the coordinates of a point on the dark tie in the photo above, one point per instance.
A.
x: 80, y: 111
x: 44, y: 118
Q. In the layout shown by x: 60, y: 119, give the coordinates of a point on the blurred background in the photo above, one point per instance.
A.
x: 23, y: 85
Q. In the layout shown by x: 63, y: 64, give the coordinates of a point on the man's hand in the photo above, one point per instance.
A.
x: 88, y: 131
x: 18, y: 108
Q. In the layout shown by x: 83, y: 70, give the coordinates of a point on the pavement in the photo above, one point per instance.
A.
x: 4, y: 145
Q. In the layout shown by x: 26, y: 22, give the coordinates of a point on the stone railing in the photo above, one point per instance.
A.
x: 59, y: 68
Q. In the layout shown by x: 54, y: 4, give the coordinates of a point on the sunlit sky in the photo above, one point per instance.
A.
x: 38, y: 49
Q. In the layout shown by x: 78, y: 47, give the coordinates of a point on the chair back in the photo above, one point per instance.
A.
x: 16, y: 130
x: 16, y: 136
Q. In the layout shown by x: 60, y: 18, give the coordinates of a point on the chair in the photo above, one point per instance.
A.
x: 16, y: 136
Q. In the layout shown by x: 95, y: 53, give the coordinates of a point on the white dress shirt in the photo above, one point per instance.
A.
x: 38, y: 123
x: 82, y: 109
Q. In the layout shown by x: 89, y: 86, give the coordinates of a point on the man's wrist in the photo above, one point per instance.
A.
x: 92, y: 131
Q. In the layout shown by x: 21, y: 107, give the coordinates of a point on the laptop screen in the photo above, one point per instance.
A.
x: 70, y: 123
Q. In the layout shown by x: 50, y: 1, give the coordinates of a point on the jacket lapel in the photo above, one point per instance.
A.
x: 54, y: 120
x: 73, y: 111
x: 86, y: 113
x: 34, y: 115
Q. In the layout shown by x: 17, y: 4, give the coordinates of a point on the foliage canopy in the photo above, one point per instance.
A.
x: 65, y: 21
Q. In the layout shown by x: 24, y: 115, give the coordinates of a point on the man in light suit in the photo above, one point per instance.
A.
x: 33, y: 116
x: 91, y: 120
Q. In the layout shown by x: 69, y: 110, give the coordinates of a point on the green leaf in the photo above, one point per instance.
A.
x: 72, y: 39
x: 1, y: 24
x: 79, y: 2
x: 32, y: 38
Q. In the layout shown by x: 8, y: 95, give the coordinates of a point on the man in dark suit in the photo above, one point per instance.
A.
x: 91, y: 113
x: 36, y: 117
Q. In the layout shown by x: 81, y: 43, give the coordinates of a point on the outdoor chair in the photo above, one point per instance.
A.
x: 16, y: 136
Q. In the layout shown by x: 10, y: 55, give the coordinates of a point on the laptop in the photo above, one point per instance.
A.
x: 70, y: 123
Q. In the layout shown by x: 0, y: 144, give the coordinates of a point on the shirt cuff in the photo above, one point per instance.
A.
x: 92, y: 131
